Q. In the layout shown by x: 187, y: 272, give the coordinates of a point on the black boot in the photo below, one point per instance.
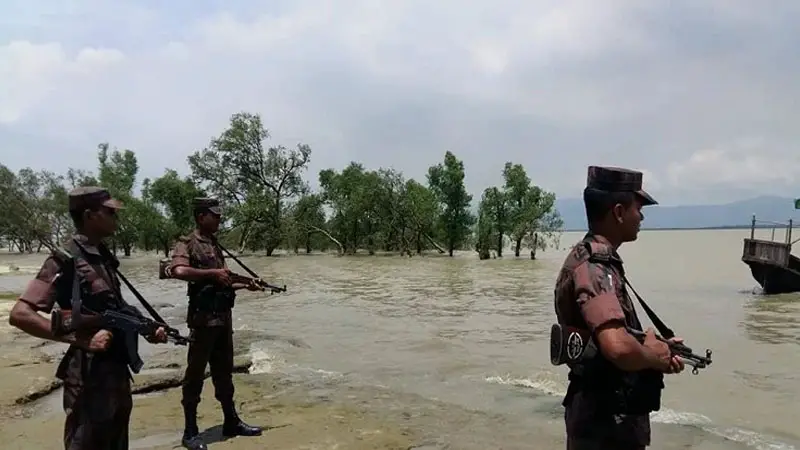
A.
x: 233, y: 425
x: 191, y: 434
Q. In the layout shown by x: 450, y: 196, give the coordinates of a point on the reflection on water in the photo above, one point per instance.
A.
x: 773, y: 319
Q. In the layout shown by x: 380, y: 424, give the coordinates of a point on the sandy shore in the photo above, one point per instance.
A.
x: 296, y: 415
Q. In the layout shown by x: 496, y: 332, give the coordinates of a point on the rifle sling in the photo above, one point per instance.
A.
x: 241, y: 264
x: 663, y: 329
x: 76, y: 303
x: 153, y: 313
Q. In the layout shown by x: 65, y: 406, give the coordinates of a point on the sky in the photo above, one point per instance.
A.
x: 702, y: 97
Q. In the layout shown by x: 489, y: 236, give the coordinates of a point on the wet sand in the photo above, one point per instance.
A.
x: 295, y: 415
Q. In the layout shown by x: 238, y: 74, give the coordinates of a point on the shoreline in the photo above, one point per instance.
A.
x: 290, y: 416
x: 294, y: 414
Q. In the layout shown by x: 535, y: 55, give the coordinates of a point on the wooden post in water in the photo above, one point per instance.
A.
x: 789, y: 233
x: 753, y: 228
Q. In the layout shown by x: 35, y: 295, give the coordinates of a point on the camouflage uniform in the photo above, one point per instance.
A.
x: 97, y: 389
x: 212, y: 331
x: 590, y: 292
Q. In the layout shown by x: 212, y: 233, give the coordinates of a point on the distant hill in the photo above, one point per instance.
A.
x: 731, y: 215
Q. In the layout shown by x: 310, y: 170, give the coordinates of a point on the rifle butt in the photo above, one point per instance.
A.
x: 61, y: 322
x: 163, y: 269
x: 570, y: 344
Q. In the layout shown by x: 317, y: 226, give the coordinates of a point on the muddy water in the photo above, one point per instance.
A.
x: 465, y: 341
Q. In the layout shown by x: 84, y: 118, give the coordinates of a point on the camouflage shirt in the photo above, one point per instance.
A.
x: 588, y: 295
x: 200, y: 252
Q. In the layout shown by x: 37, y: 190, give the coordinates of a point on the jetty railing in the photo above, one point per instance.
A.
x: 769, y: 251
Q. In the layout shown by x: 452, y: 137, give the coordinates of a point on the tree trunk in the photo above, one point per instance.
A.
x: 499, y: 245
x: 535, y: 245
x: 243, y: 237
x: 329, y: 236
x: 518, y: 246
x: 437, y: 246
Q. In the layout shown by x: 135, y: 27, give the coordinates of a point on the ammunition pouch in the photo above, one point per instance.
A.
x: 211, y: 298
x: 63, y: 365
x: 617, y: 392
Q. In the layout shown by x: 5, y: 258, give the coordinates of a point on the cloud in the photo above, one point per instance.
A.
x: 752, y: 168
x: 556, y: 86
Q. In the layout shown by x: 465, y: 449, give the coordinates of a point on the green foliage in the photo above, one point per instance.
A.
x: 256, y: 180
x: 268, y: 204
x: 519, y: 210
x: 447, y: 183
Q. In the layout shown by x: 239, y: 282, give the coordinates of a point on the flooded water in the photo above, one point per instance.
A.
x: 472, y: 336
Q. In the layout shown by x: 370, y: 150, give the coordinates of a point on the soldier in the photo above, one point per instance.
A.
x: 197, y: 259
x: 609, y: 398
x: 97, y: 389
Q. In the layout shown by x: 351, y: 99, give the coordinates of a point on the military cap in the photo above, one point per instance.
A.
x: 615, y: 179
x: 91, y: 197
x: 210, y: 204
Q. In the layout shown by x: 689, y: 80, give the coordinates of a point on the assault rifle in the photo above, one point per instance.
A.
x: 255, y: 278
x: 127, y: 320
x: 263, y: 285
x: 572, y: 345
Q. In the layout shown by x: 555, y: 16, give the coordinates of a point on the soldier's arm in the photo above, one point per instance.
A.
x: 600, y: 308
x: 180, y: 268
x: 39, y: 296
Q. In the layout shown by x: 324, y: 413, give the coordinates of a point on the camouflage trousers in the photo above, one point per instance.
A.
x: 98, y: 413
x: 212, y: 346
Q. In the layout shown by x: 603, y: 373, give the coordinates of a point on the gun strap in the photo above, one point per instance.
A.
x: 153, y: 313
x: 663, y: 329
x: 76, y: 302
x: 241, y: 264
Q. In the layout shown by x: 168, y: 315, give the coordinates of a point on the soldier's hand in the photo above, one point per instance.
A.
x: 676, y: 364
x: 253, y: 286
x: 100, y: 341
x: 659, y: 348
x: 159, y: 337
x: 222, y: 276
